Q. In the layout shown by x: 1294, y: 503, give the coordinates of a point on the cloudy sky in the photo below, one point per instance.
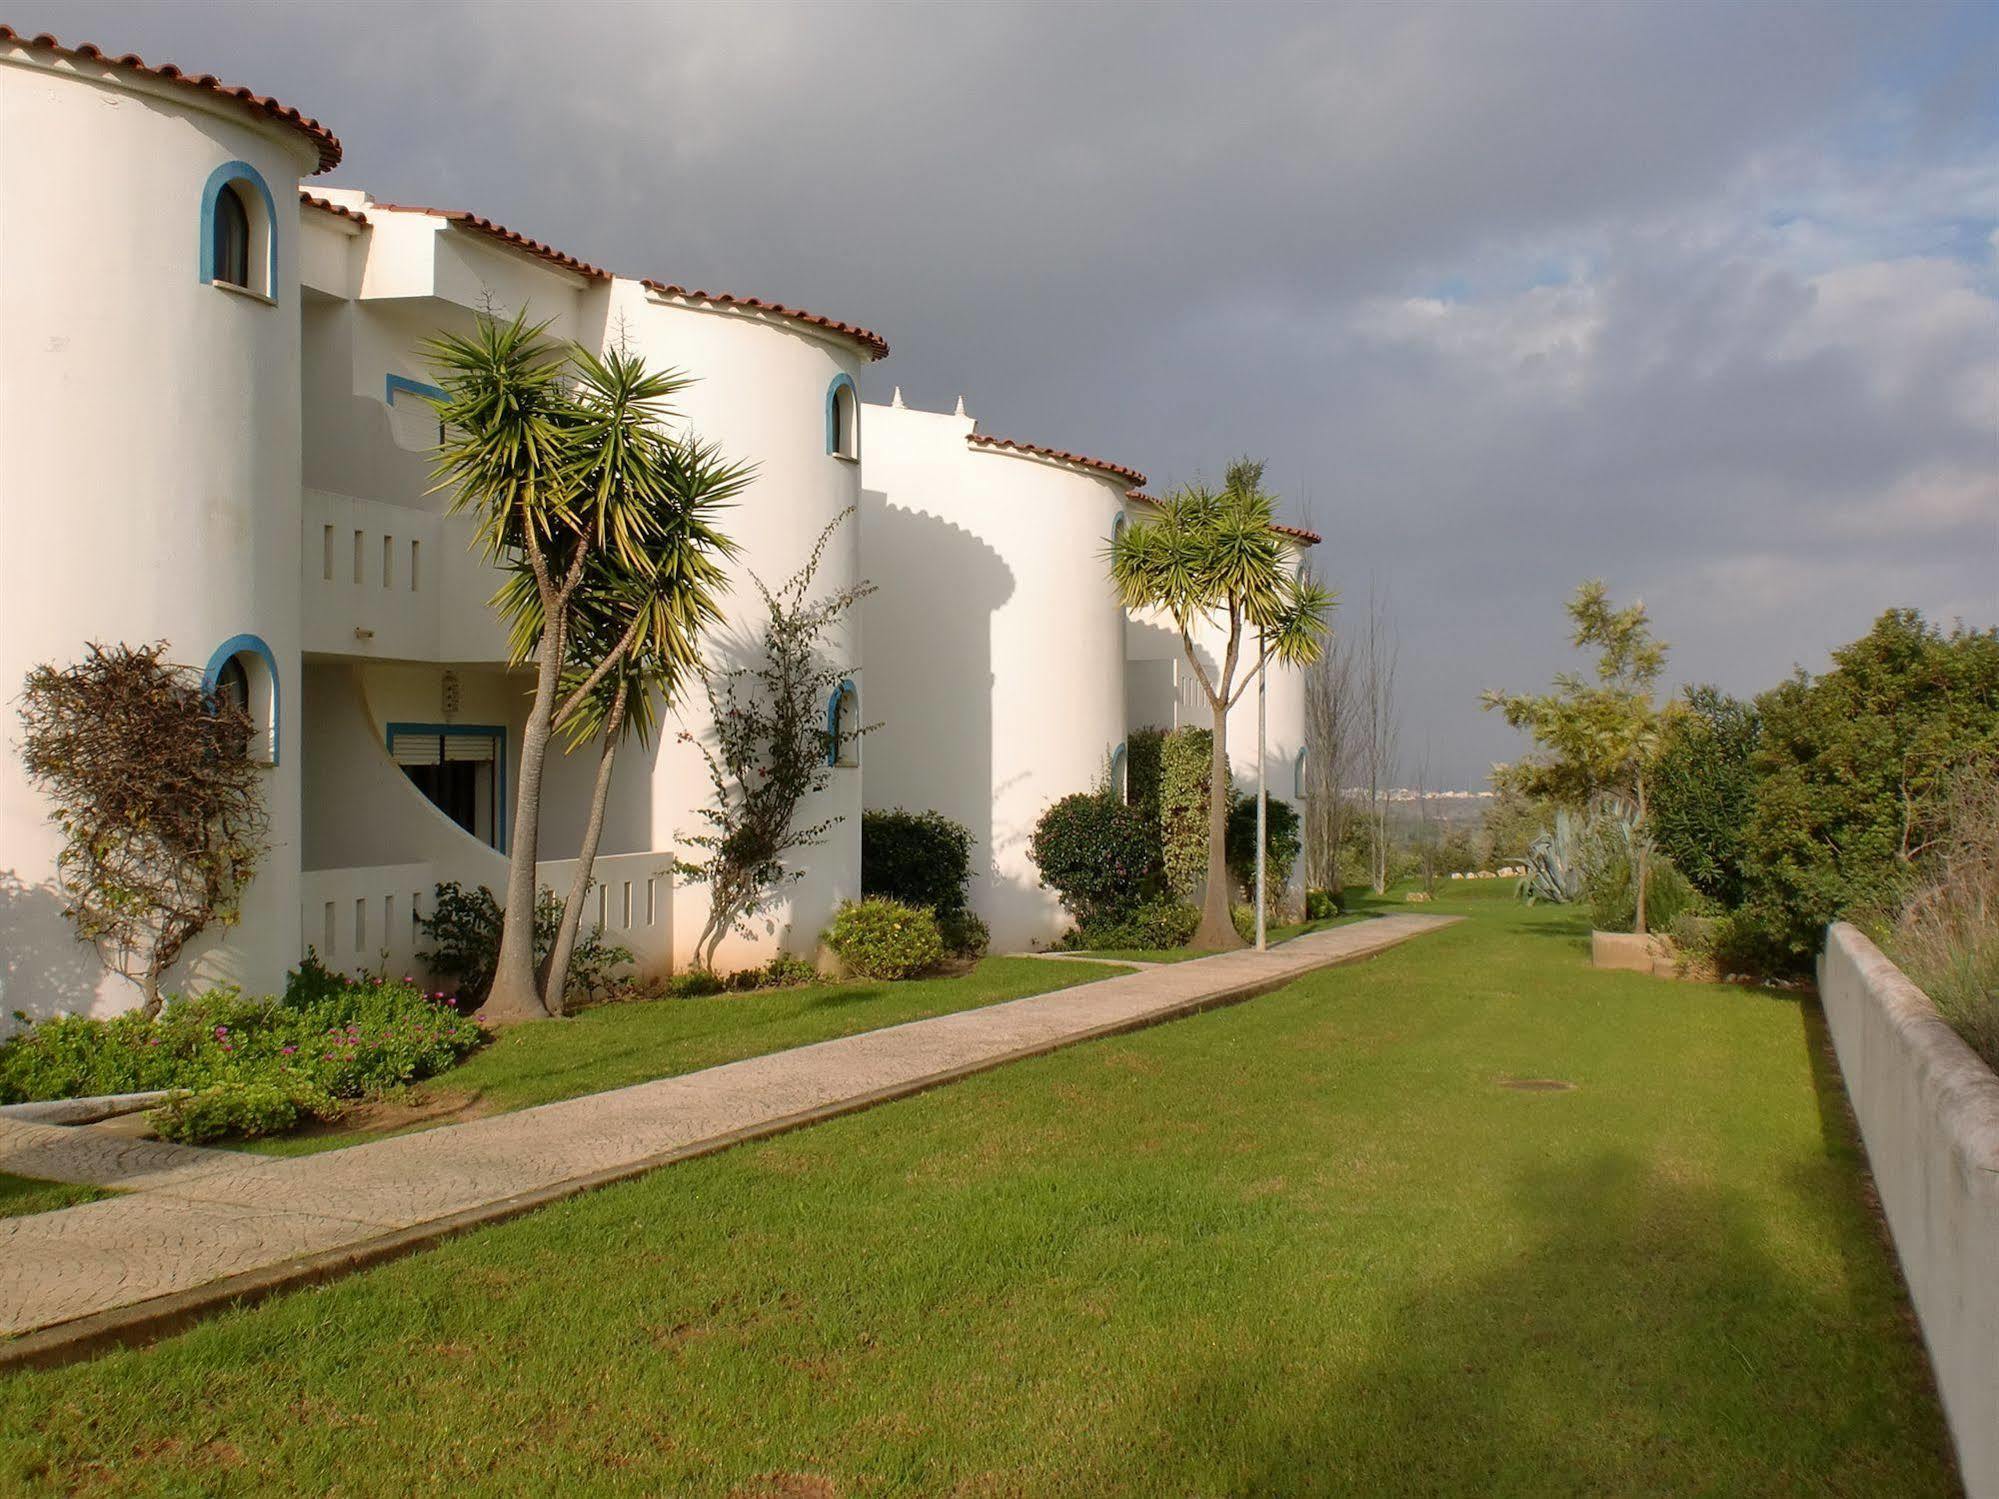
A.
x: 1702, y: 299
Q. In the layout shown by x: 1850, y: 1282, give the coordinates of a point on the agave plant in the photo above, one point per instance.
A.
x: 1555, y: 862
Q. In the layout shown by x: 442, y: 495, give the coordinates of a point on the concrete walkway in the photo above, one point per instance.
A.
x: 204, y: 1228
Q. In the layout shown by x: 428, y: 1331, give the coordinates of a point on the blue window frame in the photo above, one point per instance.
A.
x: 1298, y: 776
x: 843, y: 417
x: 251, y: 210
x: 843, y: 745
x: 402, y: 385
x: 1119, y: 784
x: 258, y: 668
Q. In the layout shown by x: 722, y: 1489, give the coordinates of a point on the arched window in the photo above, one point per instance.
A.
x: 843, y: 418
x: 1118, y: 525
x: 1120, y: 776
x: 843, y: 738
x: 239, y: 245
x: 1298, y: 776
x: 244, y: 672
x: 232, y: 237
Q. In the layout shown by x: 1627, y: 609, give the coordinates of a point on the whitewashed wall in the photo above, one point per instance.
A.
x: 996, y: 647
x: 1929, y: 1114
x: 152, y: 458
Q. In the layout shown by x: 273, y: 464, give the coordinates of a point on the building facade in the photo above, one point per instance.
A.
x: 220, y: 438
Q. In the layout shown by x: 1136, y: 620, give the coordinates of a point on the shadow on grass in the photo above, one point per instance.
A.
x: 1641, y: 1337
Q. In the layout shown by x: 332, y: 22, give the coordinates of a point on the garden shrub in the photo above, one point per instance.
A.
x: 886, y: 939
x: 464, y: 929
x: 1610, y: 883
x: 782, y: 971
x: 918, y: 858
x: 1096, y: 854
x: 238, y: 1108
x: 1144, y: 763
x: 1704, y: 790
x: 1855, y: 773
x: 964, y: 934
x: 1161, y: 923
x: 1281, y: 844
x: 1183, y: 807
x: 1946, y: 935
x: 1323, y: 905
x: 326, y: 1040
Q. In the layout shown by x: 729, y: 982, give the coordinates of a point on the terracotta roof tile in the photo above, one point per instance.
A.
x: 1310, y: 538
x: 324, y: 141
x: 874, y: 343
x: 467, y: 220
x: 327, y: 205
x: 1115, y: 470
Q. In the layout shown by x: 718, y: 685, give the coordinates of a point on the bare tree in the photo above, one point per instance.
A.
x: 1426, y: 840
x: 1380, y: 652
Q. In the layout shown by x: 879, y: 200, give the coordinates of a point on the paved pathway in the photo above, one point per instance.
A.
x: 201, y: 1228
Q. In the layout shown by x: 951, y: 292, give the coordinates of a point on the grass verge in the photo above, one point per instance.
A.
x: 1310, y: 1244
x: 21, y: 1195
x: 612, y: 1046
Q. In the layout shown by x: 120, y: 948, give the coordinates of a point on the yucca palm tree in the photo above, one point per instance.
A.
x: 670, y: 599
x: 1214, y: 556
x: 560, y: 455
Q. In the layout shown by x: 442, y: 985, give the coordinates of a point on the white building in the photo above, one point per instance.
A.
x: 217, y: 438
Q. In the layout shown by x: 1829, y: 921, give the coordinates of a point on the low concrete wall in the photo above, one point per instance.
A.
x: 1929, y: 1114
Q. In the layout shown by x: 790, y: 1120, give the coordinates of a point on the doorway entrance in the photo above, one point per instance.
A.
x: 461, y: 770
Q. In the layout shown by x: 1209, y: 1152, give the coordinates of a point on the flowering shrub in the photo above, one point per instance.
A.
x: 1097, y: 854
x: 328, y: 1038
x: 885, y: 939
x: 237, y: 1109
x: 463, y: 928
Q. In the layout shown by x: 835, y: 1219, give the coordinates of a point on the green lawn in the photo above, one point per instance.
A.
x: 613, y: 1045
x: 20, y: 1195
x: 1304, y: 1245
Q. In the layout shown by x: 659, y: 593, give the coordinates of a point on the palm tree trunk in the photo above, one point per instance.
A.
x: 515, y: 995
x: 556, y: 986
x: 1217, y: 929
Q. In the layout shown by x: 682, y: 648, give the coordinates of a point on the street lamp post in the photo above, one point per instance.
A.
x: 1262, y: 788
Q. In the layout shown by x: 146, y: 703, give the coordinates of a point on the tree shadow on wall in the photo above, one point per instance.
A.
x: 1646, y: 1335
x: 45, y: 968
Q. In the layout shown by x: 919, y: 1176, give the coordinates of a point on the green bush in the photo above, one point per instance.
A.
x: 326, y: 1039
x: 1610, y: 885
x: 1183, y: 808
x: 1096, y: 854
x: 1704, y: 791
x: 1281, y: 844
x: 964, y: 934
x: 464, y: 929
x: 1144, y: 763
x: 238, y: 1108
x: 1855, y: 775
x: 918, y: 858
x: 1161, y: 923
x: 1323, y: 905
x: 886, y: 939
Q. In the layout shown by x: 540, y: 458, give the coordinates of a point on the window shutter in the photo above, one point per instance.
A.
x: 416, y: 749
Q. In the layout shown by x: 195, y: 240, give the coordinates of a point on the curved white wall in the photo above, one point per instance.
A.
x: 760, y: 395
x: 152, y: 482
x: 995, y: 644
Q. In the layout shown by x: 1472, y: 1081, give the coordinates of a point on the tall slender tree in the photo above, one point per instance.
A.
x: 1601, y: 736
x: 1211, y: 557
x: 558, y: 454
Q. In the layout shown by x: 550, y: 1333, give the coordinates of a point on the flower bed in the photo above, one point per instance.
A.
x: 247, y: 1066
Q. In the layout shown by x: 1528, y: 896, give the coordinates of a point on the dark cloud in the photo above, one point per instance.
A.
x: 1700, y: 298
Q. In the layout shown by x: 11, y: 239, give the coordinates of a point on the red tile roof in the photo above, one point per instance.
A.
x: 1309, y: 538
x: 505, y: 236
x: 1115, y: 470
x: 324, y: 141
x: 327, y: 205
x: 874, y: 343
